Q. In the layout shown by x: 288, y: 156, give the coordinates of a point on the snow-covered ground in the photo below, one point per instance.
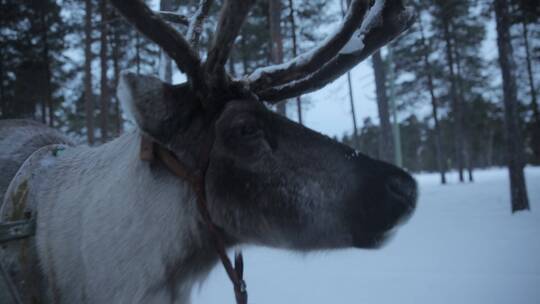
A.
x: 461, y: 246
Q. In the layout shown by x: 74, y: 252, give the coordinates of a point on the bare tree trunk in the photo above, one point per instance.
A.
x: 89, y: 102
x: 396, y: 132
x: 48, y: 100
x: 243, y: 55
x: 439, y: 153
x: 465, y: 138
x: 353, y: 111
x: 386, y: 141
x: 44, y: 100
x: 458, y: 130
x: 44, y: 110
x: 489, y: 156
x: 515, y: 155
x: 3, y: 100
x: 166, y: 62
x: 276, y: 45
x: 535, y: 126
x: 116, y: 74
x: 351, y: 95
x: 468, y: 161
x: 534, y: 102
x: 165, y: 67
x: 231, y: 68
x: 104, y: 84
x: 295, y: 53
x: 138, y: 52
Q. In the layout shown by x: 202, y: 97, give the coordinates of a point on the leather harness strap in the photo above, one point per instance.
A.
x: 149, y: 149
x: 16, y: 230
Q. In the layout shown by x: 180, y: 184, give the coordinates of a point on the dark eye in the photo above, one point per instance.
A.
x: 247, y: 129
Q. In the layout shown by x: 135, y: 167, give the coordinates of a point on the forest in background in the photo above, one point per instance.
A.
x: 60, y: 61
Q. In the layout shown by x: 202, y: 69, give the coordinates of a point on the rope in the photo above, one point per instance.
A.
x: 197, y: 181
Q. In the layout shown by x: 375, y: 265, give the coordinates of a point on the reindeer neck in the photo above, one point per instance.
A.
x: 142, y: 235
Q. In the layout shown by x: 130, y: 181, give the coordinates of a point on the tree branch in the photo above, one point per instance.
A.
x: 310, y: 62
x: 381, y: 25
x: 157, y: 30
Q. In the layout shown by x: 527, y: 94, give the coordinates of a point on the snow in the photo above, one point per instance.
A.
x: 298, y: 60
x: 372, y: 19
x: 461, y: 246
x: 355, y: 44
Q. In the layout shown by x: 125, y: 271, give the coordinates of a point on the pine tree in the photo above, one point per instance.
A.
x: 276, y: 41
x: 386, y: 142
x: 31, y: 48
x: 166, y: 67
x: 459, y: 28
x: 88, y: 90
x: 350, y: 89
x: 413, y: 130
x: 525, y: 14
x: 292, y: 21
x: 104, y: 61
x: 515, y: 157
x: 414, y: 55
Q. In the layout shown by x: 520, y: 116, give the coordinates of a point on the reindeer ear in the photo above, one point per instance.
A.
x: 153, y: 105
x: 143, y: 100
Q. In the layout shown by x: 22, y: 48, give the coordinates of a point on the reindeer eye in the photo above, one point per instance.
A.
x: 247, y: 128
x: 248, y: 131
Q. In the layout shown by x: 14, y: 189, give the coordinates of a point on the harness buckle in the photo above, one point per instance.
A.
x: 10, y: 231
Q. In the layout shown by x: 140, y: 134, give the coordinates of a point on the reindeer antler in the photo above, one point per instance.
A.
x: 310, y: 62
x: 231, y: 18
x: 385, y: 20
x: 172, y: 42
x: 173, y: 17
x: 361, y: 33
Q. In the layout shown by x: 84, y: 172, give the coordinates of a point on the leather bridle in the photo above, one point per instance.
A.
x: 196, y: 178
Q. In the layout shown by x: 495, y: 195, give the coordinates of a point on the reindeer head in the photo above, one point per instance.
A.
x: 269, y: 180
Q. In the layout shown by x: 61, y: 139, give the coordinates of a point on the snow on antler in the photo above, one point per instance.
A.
x: 386, y: 20
x: 310, y: 61
x: 373, y: 18
x: 364, y: 30
x: 206, y: 79
x: 156, y: 29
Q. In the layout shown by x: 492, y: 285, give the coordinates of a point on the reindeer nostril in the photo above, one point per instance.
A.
x: 394, y: 186
x: 403, y: 188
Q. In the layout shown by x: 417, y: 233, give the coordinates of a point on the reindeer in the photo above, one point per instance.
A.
x: 219, y: 170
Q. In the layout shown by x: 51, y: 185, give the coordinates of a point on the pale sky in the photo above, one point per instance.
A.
x: 328, y: 110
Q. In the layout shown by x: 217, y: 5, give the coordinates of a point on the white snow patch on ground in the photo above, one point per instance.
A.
x: 461, y: 246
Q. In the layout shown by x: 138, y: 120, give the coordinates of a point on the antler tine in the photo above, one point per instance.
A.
x: 385, y: 21
x: 311, y: 61
x: 173, y: 17
x: 231, y: 19
x: 196, y: 24
x: 157, y: 30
